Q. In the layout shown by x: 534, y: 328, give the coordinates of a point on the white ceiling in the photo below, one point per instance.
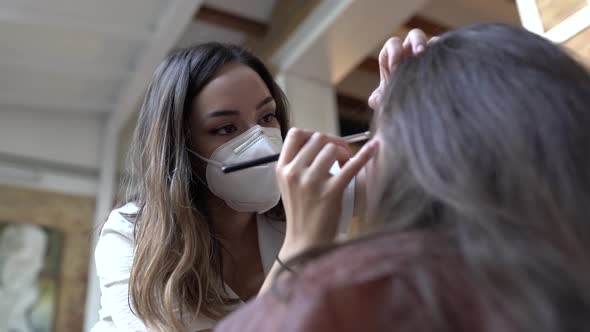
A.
x: 78, y: 55
x: 70, y: 55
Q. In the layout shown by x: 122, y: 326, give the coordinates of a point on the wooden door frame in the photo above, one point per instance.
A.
x: 568, y: 28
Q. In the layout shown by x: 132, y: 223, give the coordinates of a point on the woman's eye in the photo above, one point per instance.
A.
x: 225, y: 130
x: 269, y: 118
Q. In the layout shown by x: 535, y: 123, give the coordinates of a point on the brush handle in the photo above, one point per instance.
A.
x: 272, y: 158
x: 250, y: 163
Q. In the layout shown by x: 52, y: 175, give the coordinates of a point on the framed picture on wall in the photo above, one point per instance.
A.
x: 30, y: 265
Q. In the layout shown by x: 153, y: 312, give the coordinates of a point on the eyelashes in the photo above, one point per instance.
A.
x: 267, y: 119
x: 224, y: 130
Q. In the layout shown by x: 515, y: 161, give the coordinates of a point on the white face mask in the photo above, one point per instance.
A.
x: 250, y: 190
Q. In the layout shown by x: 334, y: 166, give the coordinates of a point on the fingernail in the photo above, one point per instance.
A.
x: 372, y: 144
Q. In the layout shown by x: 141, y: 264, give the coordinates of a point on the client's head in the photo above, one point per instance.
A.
x: 486, y: 138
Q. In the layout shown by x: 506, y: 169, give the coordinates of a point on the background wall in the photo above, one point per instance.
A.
x: 73, y: 215
x: 56, y: 151
x: 47, y: 136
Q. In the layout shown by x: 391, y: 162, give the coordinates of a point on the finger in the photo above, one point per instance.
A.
x: 314, y: 145
x: 396, y: 51
x: 389, y: 56
x: 326, y: 158
x: 295, y: 139
x: 415, y: 42
x: 375, y: 99
x: 383, y: 60
x: 353, y: 166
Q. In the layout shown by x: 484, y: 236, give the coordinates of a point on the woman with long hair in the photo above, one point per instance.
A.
x: 177, y: 255
x: 478, y: 191
x: 192, y: 243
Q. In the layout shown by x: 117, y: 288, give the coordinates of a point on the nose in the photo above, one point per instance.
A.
x: 252, y: 121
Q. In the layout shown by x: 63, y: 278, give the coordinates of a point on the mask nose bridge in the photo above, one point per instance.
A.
x: 257, y: 136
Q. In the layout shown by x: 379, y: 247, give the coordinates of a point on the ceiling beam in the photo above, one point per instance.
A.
x: 429, y: 27
x: 457, y: 13
x: 348, y: 101
x: 336, y: 37
x: 370, y: 64
x: 353, y: 108
x: 231, y: 21
x: 286, y: 16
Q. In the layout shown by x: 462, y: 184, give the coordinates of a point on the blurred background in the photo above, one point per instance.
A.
x: 73, y: 73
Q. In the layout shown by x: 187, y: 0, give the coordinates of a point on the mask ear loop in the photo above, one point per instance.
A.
x: 209, y: 161
x: 212, y: 162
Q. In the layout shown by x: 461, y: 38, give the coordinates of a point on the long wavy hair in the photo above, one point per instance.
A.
x: 487, y: 140
x: 486, y: 143
x: 177, y: 268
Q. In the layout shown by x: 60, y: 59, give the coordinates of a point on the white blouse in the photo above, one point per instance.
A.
x: 114, y: 255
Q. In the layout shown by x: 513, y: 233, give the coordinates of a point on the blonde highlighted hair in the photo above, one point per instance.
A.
x: 177, y: 268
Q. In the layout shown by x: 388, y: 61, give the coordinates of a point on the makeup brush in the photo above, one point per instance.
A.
x: 272, y: 158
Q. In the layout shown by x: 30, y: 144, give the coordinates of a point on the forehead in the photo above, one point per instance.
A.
x: 235, y: 85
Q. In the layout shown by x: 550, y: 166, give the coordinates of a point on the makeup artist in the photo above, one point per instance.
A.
x: 191, y: 243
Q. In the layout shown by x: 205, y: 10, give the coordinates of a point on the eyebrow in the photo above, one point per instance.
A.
x: 223, y: 113
x: 264, y: 102
x: 219, y: 113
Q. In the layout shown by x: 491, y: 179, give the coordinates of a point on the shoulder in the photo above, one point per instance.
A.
x: 119, y: 223
x: 366, y: 262
x: 390, y: 271
x: 364, y: 259
x: 116, y: 235
x: 114, y: 250
x: 371, y: 285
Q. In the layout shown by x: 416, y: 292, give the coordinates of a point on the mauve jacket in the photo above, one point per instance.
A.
x: 380, y: 284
